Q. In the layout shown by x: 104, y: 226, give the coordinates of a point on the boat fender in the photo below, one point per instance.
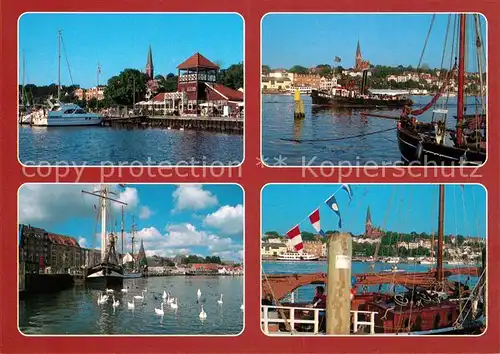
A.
x: 419, y: 151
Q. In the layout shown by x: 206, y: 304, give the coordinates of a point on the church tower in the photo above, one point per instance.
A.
x: 141, y: 256
x: 368, y: 223
x: 359, y: 59
x: 149, y: 65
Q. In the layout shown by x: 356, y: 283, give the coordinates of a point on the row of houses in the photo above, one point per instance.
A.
x: 222, y: 269
x: 277, y: 246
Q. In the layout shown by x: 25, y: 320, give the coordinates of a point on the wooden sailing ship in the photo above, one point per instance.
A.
x: 434, y: 144
x: 430, y: 304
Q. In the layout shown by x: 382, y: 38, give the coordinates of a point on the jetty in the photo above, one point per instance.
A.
x: 230, y: 125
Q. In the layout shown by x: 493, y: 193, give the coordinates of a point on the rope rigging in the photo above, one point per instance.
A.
x: 337, y: 139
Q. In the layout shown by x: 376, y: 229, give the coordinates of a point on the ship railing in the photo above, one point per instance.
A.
x: 270, y: 316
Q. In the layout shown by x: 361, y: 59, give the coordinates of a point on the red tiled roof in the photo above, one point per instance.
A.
x: 63, y: 240
x: 159, y: 97
x: 197, y: 61
x: 204, y: 266
x: 229, y: 93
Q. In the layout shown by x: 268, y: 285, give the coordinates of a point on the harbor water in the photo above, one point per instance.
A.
x: 373, y: 142
x: 306, y: 293
x: 76, y: 312
x: 122, y: 146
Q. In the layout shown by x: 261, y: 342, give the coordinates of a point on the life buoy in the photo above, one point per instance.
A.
x: 353, y: 292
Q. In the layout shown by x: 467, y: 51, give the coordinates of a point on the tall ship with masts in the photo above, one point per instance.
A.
x: 108, y: 272
x: 59, y: 113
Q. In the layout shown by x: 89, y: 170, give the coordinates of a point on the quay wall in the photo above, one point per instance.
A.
x: 47, y: 283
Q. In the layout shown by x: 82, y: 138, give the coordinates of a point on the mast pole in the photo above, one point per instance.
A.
x: 461, y: 81
x: 133, y: 237
x: 23, y: 90
x: 439, y: 273
x: 97, y: 101
x: 122, y: 230
x: 58, y: 65
x: 103, y: 221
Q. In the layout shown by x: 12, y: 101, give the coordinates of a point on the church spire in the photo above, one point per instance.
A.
x: 149, y: 64
x: 358, y: 51
x: 368, y: 216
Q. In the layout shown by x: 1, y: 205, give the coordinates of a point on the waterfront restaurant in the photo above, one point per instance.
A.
x: 198, y: 93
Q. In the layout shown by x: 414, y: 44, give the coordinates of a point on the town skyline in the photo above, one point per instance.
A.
x: 280, y: 212
x: 204, y: 220
x: 38, y: 43
x: 326, y: 36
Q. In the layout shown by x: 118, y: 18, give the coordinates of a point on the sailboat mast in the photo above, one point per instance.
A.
x: 439, y: 273
x: 122, y: 231
x: 461, y: 80
x: 23, y: 93
x: 104, y: 193
x: 59, y: 65
x: 96, y: 106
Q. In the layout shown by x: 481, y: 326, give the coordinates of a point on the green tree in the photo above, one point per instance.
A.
x: 121, y: 89
x: 266, y: 70
x: 231, y: 77
x: 297, y: 69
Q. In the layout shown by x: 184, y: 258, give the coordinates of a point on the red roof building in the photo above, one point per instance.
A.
x: 197, y: 61
x: 204, y: 266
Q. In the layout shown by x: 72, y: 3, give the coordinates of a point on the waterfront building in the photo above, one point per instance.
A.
x: 270, y: 83
x: 328, y: 84
x: 65, y: 253
x: 273, y: 249
x: 34, y: 247
x: 96, y: 92
x: 313, y: 247
x: 90, y: 257
x: 280, y: 74
x: 305, y: 80
x: 204, y: 267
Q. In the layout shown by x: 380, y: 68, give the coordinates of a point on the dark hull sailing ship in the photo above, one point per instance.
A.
x: 434, y: 144
x: 322, y: 98
x: 108, y: 273
x: 431, y: 304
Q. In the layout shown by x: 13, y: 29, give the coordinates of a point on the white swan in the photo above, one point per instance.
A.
x: 164, y: 294
x: 220, y: 300
x: 109, y: 290
x: 169, y: 299
x: 160, y: 310
x: 203, y: 314
x: 242, y: 307
x: 124, y: 290
x: 131, y: 305
x: 199, y: 293
x: 174, y: 304
x: 102, y: 299
x: 181, y: 128
x: 116, y: 303
x: 140, y: 297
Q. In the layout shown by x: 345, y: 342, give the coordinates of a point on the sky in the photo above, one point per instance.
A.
x: 170, y: 219
x: 385, y: 39
x: 119, y: 41
x: 399, y: 208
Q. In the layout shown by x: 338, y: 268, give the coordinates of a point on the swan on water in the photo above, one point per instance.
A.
x: 124, y: 290
x: 102, y: 299
x: 203, y: 314
x: 174, y: 304
x: 116, y: 303
x: 109, y: 290
x: 131, y: 305
x: 220, y: 300
x: 160, y: 310
x: 242, y: 307
x: 164, y: 294
x: 140, y: 297
x: 169, y: 299
x: 199, y: 293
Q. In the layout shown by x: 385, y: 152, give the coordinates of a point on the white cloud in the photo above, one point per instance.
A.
x: 228, y: 219
x: 193, y: 197
x: 145, y: 213
x: 46, y: 204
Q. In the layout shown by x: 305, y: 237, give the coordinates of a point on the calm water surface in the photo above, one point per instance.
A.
x: 104, y: 145
x: 75, y: 311
x: 329, y: 123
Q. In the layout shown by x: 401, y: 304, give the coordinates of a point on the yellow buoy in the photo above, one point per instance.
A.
x: 298, y: 112
x: 296, y: 97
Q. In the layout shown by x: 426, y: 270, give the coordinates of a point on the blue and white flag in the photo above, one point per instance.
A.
x: 332, y: 203
x: 348, y: 189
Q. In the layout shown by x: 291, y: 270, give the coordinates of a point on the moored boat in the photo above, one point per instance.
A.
x: 375, y: 99
x: 296, y: 256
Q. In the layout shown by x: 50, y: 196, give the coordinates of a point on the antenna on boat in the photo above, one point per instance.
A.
x: 122, y: 230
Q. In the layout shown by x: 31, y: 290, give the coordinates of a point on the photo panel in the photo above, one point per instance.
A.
x: 374, y: 89
x: 374, y: 259
x: 152, y: 89
x: 171, y: 261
